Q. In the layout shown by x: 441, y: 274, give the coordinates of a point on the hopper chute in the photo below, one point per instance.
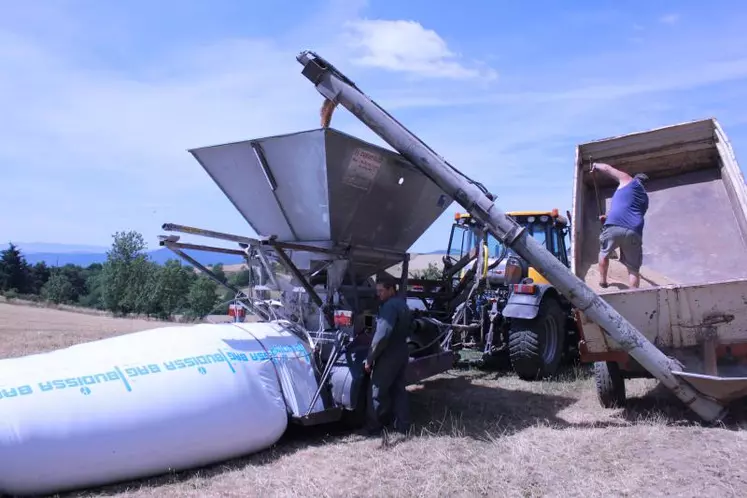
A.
x: 326, y: 188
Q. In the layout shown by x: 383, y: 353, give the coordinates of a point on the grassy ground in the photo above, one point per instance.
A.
x: 477, y: 434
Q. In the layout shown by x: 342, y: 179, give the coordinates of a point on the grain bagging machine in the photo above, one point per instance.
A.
x: 332, y: 212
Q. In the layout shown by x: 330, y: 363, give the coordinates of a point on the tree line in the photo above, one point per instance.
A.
x: 127, y: 283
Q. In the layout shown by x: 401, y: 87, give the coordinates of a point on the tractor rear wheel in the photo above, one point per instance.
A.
x: 536, y: 346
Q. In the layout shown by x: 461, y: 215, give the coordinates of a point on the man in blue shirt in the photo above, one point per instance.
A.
x: 623, y: 225
x: 387, y: 361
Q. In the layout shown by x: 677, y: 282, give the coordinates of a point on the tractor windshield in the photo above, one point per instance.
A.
x: 462, y: 241
x: 537, y: 229
x: 495, y: 247
x: 548, y: 235
x: 539, y: 232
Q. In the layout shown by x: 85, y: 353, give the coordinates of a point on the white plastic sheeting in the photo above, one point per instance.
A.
x: 146, y: 403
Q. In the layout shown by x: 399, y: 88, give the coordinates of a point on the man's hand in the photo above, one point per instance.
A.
x: 603, y: 218
x: 367, y: 367
x: 621, y: 177
x: 601, y: 168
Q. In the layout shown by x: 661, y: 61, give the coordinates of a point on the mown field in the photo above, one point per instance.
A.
x: 476, y: 434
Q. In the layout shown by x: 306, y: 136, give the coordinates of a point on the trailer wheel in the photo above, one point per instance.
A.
x: 610, y: 384
x: 536, y: 346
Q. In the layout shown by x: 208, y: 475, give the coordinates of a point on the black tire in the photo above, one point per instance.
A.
x: 536, y: 346
x: 610, y: 384
x: 496, y: 361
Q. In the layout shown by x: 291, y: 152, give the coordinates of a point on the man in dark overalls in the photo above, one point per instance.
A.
x: 387, y: 362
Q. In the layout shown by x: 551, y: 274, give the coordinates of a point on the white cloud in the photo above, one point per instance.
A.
x: 408, y: 47
x: 92, y: 150
x: 670, y: 19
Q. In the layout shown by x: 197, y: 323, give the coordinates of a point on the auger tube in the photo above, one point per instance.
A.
x: 337, y: 88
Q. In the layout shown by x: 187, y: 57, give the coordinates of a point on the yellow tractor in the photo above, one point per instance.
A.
x: 516, y: 313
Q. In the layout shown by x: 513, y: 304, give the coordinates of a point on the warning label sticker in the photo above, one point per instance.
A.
x: 362, y: 169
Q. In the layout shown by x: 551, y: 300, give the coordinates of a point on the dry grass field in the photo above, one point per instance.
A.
x: 477, y: 434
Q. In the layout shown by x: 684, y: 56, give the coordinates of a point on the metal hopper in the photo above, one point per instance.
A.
x: 326, y: 188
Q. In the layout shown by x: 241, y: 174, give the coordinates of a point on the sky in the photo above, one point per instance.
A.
x: 100, y: 101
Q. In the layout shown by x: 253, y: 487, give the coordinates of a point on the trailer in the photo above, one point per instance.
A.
x: 692, y: 301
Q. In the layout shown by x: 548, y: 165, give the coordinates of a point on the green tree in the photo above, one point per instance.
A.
x: 40, y: 273
x: 141, y: 295
x: 171, y: 287
x: 15, y: 272
x: 125, y: 274
x: 431, y: 272
x: 76, y: 275
x: 219, y: 272
x: 92, y: 296
x: 58, y: 289
x: 202, y: 297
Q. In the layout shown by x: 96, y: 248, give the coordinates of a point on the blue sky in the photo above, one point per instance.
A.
x: 101, y: 100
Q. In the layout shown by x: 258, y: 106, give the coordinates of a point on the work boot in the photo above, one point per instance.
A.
x: 405, y: 430
x: 370, y: 431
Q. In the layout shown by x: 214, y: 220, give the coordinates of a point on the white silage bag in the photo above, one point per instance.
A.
x: 146, y: 403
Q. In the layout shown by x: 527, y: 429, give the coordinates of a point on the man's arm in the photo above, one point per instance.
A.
x: 621, y: 177
x: 384, y: 327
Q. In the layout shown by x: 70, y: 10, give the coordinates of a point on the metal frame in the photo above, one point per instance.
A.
x: 177, y: 247
x: 348, y: 253
x: 172, y: 243
x: 419, y: 367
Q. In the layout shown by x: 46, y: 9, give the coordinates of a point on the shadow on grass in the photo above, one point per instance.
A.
x: 660, y: 405
x: 451, y: 405
x: 657, y: 406
x: 457, y: 404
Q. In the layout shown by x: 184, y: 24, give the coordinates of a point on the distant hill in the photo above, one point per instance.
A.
x: 63, y: 254
x: 82, y: 255
x: 51, y: 247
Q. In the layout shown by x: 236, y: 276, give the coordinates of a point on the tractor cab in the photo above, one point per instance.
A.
x: 531, y: 321
x: 548, y: 227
